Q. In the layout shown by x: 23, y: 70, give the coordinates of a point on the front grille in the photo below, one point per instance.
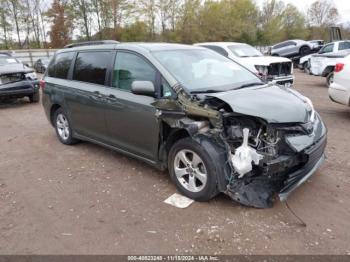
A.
x: 280, y: 69
x: 10, y: 78
x: 315, y: 151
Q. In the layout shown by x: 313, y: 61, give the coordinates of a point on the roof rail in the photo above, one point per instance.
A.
x: 99, y: 42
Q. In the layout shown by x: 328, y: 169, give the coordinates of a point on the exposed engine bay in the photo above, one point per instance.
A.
x: 262, y: 157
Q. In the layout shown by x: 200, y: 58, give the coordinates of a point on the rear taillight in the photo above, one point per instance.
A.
x: 42, y: 83
x: 339, y: 67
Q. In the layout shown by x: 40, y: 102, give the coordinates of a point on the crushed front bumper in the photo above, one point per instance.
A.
x: 19, y: 89
x: 282, y: 80
x: 316, y: 157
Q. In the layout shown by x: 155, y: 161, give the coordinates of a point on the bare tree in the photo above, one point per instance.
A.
x: 16, y: 8
x: 323, y: 13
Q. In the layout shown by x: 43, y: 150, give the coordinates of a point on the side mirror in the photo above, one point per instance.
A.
x: 145, y: 88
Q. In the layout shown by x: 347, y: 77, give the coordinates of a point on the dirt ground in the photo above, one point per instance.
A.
x: 85, y: 199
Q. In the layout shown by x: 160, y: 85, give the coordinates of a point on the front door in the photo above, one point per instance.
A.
x: 131, y: 121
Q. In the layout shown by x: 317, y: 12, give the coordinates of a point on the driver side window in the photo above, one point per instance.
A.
x: 130, y: 67
x: 328, y: 48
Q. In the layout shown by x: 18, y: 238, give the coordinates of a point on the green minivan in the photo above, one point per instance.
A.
x: 212, y: 123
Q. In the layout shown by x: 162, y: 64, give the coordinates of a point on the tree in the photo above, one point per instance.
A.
x: 323, y: 13
x: 4, y: 24
x: 16, y: 8
x: 82, y: 15
x: 293, y: 22
x: 62, y: 23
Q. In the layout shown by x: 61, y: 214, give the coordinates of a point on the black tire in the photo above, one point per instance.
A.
x: 34, y: 98
x: 304, y: 50
x: 69, y: 139
x: 330, y: 79
x: 306, y: 67
x: 210, y: 188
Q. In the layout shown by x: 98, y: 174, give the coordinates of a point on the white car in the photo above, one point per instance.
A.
x: 339, y: 90
x: 306, y: 62
x: 274, y: 69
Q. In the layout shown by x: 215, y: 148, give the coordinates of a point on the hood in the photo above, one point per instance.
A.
x: 275, y: 104
x: 14, y: 68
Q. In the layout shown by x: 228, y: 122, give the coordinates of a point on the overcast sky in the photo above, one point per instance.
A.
x: 342, y: 5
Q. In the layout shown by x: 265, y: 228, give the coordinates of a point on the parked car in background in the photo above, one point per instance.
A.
x: 293, y: 48
x: 41, y: 64
x: 339, y: 90
x: 333, y: 47
x: 278, y: 70
x: 211, y: 122
x: 17, y: 80
x: 324, y: 64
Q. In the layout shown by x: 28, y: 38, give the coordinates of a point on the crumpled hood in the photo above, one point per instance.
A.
x: 275, y: 104
x: 14, y: 68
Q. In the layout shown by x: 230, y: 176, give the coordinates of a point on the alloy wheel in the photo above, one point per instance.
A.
x: 62, y: 126
x: 190, y: 170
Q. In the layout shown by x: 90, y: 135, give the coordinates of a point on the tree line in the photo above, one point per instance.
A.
x: 55, y: 23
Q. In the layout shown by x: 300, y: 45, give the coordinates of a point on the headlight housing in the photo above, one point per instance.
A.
x: 31, y: 76
x: 262, y: 70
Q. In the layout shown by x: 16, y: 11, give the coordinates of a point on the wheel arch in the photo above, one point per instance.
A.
x: 53, y: 109
x: 329, y: 69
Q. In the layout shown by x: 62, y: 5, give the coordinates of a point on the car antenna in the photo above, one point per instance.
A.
x: 303, y: 224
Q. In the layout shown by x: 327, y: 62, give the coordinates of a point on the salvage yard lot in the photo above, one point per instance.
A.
x: 85, y: 199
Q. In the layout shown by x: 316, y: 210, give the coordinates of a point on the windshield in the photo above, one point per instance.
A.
x: 5, y: 60
x: 244, y: 50
x: 204, y: 70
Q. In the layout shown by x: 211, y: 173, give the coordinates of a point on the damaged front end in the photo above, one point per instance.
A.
x: 258, y: 157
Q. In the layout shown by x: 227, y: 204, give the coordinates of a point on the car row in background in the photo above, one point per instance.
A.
x: 277, y: 70
x: 17, y: 80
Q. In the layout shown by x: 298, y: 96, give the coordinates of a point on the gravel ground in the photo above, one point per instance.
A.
x: 84, y: 199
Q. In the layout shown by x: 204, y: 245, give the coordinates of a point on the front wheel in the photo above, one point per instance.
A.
x: 305, y: 50
x: 192, y: 170
x: 330, y: 79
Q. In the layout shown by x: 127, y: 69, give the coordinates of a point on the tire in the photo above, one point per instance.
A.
x: 306, y: 67
x: 34, y: 98
x: 188, y: 161
x: 63, y: 128
x: 304, y: 50
x: 330, y: 79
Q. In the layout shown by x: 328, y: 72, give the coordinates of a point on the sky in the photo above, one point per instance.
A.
x: 342, y: 5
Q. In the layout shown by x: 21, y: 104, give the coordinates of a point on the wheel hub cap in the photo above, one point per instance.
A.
x: 190, y: 170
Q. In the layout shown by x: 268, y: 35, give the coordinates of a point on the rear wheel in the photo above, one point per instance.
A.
x: 192, y: 170
x: 34, y: 98
x: 306, y: 67
x: 330, y: 79
x: 63, y: 128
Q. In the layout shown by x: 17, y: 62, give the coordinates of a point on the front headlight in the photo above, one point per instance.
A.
x: 262, y: 70
x: 31, y: 76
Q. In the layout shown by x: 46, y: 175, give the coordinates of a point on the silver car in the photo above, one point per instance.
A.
x: 292, y: 48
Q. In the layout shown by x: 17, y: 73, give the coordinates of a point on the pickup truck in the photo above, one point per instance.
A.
x: 322, y: 63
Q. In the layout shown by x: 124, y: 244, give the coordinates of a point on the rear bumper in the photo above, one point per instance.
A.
x: 339, y: 94
x: 19, y: 89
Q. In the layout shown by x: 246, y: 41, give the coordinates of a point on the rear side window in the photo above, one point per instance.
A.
x: 344, y: 45
x: 128, y: 68
x: 59, y: 67
x: 91, y: 67
x: 217, y: 49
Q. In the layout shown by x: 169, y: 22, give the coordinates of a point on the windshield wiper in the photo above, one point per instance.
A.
x: 249, y: 85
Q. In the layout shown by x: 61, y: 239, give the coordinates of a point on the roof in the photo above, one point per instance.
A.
x: 136, y: 46
x: 223, y: 44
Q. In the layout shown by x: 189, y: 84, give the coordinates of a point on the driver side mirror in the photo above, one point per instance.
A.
x: 145, y: 88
